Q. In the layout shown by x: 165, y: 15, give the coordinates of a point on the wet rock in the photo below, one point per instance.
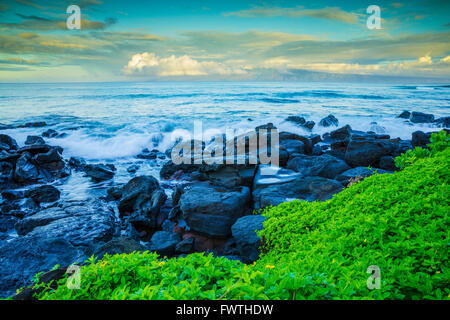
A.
x: 35, y: 124
x: 341, y: 134
x: 9, y: 142
x: 293, y: 146
x: 420, y: 139
x: 77, y: 163
x: 443, y: 122
x: 23, y: 257
x: 41, y: 218
x: 118, y: 246
x: 317, y: 150
x: 309, y: 125
x: 404, y: 115
x: 287, y: 136
x: 147, y: 154
x: 176, y: 195
x: 50, y: 133
x: 247, y: 241
x: 325, y: 165
x: 387, y: 163
x: 231, y: 175
x: 27, y: 172
x: 12, y: 195
x: 273, y: 185
x: 314, y: 139
x: 329, y: 121
x: 6, y: 172
x: 420, y: 117
x: 45, y: 193
x: 114, y: 193
x: 100, y: 172
x: 164, y: 243
x: 35, y: 149
x: 213, y: 210
x: 136, y: 193
x: 366, y: 150
x: 34, y: 140
x: 169, y: 169
x: 52, y: 162
x: 83, y: 224
x: 175, y: 212
x: 168, y: 226
x: 49, y: 278
x: 185, y: 246
x: 296, y: 119
x: 133, y: 168
x: 361, y: 172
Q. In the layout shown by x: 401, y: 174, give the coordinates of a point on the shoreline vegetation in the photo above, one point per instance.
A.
x: 317, y: 250
x: 338, y: 206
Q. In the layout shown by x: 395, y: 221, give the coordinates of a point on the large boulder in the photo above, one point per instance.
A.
x: 323, y: 166
x: 6, y: 172
x: 247, y: 241
x: 287, y: 137
x: 23, y: 257
x: 27, y: 171
x: 81, y: 224
x: 58, y: 235
x: 366, y: 150
x: 420, y: 139
x: 136, y: 193
x: 343, y: 133
x: 404, y: 115
x: 100, y: 171
x: 164, y: 242
x: 212, y: 210
x: 273, y: 186
x: 296, y: 119
x: 293, y: 146
x: 34, y: 140
x: 420, y: 117
x: 358, y: 172
x: 443, y: 122
x: 118, y: 246
x: 141, y: 199
x: 44, y: 193
x: 230, y: 175
x: 8, y: 141
x: 328, y: 121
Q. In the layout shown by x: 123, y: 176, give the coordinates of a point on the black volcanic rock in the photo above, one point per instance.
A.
x: 420, y: 117
x: 328, y: 121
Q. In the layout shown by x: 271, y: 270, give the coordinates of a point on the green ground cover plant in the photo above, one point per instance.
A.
x: 320, y: 250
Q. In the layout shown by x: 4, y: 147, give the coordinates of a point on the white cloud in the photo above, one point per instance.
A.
x: 149, y: 63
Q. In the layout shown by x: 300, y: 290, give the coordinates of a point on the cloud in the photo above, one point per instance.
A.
x: 150, y: 64
x: 28, y: 35
x: 32, y: 17
x: 30, y: 3
x: 397, y: 5
x: 20, y: 61
x: 328, y: 13
x: 125, y: 36
x: 423, y: 66
x: 64, y: 45
x: 43, y: 24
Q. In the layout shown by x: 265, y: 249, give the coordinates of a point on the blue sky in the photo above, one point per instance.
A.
x: 221, y: 40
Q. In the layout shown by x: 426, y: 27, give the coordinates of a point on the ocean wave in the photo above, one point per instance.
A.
x: 328, y: 94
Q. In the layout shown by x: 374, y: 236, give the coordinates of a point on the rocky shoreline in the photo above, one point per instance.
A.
x: 191, y: 208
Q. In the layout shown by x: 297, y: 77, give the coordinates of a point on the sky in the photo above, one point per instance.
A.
x: 233, y: 40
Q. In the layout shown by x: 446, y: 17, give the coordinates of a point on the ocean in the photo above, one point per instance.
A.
x: 113, y: 122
